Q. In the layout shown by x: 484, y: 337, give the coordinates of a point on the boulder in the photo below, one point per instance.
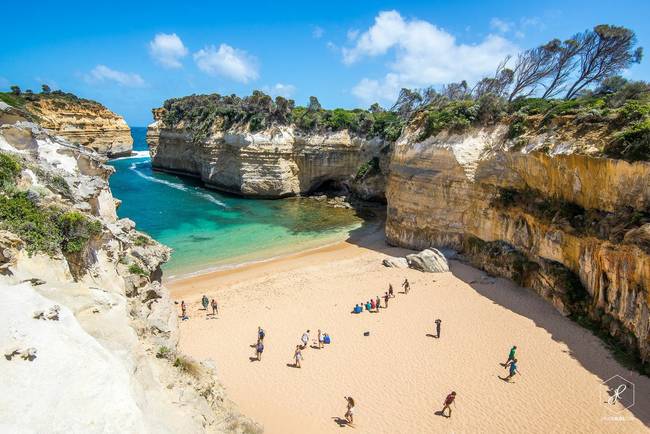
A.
x: 428, y: 261
x: 395, y: 262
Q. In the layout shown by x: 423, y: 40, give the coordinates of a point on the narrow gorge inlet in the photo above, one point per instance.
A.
x: 210, y: 230
x: 294, y: 218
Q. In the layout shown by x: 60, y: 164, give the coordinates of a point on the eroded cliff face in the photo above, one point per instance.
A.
x: 572, y: 226
x: 85, y: 122
x: 89, y: 334
x: 276, y: 162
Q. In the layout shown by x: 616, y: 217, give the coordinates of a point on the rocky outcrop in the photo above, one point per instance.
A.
x: 90, y: 324
x: 278, y: 161
x: 570, y: 225
x: 428, y: 261
x: 84, y: 122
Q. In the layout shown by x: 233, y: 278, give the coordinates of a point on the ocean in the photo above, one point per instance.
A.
x: 209, y: 230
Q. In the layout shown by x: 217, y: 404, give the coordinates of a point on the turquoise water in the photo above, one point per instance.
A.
x: 207, y: 229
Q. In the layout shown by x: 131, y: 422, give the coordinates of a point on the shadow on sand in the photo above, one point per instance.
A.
x: 583, y: 345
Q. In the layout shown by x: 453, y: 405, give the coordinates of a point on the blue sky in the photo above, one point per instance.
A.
x: 347, y: 53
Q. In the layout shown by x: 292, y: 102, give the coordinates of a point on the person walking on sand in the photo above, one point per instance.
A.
x: 259, y: 349
x: 386, y: 297
x: 513, y: 370
x: 373, y: 305
x: 378, y: 303
x: 305, y: 339
x: 260, y: 333
x: 391, y: 292
x: 438, y: 322
x: 320, y: 339
x: 205, y: 302
x: 297, y: 355
x: 511, y: 356
x: 407, y: 286
x: 215, y: 307
x: 349, y: 413
x: 450, y: 399
x: 183, y: 310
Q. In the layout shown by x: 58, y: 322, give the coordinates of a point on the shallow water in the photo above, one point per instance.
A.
x: 207, y: 229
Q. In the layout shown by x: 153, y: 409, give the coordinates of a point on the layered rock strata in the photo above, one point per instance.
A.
x: 84, y: 122
x: 276, y: 162
x: 572, y: 226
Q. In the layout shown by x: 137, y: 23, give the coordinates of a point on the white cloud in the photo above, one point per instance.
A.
x: 285, y: 90
x: 318, y: 32
x: 501, y: 25
x: 227, y: 61
x: 352, y: 34
x: 102, y: 73
x: 424, y: 55
x: 167, y: 50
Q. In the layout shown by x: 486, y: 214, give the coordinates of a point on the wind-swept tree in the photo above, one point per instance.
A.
x: 564, y: 60
x: 456, y: 91
x: 531, y: 68
x: 314, y: 104
x: 15, y: 90
x: 407, y: 103
x: 496, y: 85
x: 45, y: 89
x: 604, y: 51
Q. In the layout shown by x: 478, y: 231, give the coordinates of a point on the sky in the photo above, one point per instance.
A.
x: 132, y: 56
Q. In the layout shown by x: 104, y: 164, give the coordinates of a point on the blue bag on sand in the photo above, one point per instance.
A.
x: 326, y: 339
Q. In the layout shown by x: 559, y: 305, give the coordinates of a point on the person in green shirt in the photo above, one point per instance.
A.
x: 511, y: 356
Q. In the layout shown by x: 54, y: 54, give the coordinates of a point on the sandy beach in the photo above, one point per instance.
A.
x: 399, y: 375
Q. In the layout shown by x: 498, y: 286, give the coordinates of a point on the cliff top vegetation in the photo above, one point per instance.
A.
x: 201, y: 114
x: 24, y: 99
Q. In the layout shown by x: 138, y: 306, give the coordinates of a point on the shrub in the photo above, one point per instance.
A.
x: 10, y: 167
x: 60, y: 185
x: 142, y: 240
x: 136, y: 269
x: 456, y: 116
x: 77, y: 230
x: 163, y: 352
x: 368, y: 168
x: 38, y: 228
x: 631, y: 144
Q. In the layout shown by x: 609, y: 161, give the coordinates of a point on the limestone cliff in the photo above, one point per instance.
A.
x: 82, y: 121
x: 88, y: 332
x: 276, y: 162
x: 552, y: 215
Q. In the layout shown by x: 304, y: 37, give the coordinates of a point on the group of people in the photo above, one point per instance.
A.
x: 324, y: 338
x: 373, y: 305
x: 205, y: 302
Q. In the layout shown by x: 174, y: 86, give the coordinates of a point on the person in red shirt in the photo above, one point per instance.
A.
x: 450, y: 399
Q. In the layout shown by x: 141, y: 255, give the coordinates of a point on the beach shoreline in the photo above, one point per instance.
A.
x: 399, y: 374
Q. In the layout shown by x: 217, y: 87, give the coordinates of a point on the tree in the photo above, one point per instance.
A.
x: 531, y: 67
x: 604, y: 51
x: 15, y: 90
x: 314, y: 105
x: 564, y: 61
x: 496, y: 85
x: 407, y: 103
x: 455, y: 91
x: 45, y: 89
x: 376, y: 108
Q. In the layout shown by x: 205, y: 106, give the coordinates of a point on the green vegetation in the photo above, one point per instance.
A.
x: 201, y: 114
x: 48, y: 230
x: 142, y: 240
x: 163, y: 352
x: 368, y: 168
x: 10, y: 168
x: 136, y: 269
